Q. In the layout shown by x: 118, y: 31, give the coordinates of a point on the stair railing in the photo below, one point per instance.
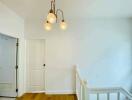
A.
x: 83, y: 92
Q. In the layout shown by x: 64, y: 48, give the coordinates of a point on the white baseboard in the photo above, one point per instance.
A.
x: 60, y: 92
x: 35, y: 92
x: 38, y: 92
x: 54, y: 92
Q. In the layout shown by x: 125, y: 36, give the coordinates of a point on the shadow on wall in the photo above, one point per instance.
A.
x: 131, y: 80
x: 130, y: 75
x: 131, y: 56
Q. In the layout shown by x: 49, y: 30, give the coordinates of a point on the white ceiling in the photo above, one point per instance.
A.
x: 77, y: 9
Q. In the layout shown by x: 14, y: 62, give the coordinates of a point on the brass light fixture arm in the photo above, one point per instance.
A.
x: 57, y: 11
x: 53, y: 8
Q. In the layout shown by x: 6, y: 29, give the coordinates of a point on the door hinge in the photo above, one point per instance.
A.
x: 17, y: 44
x: 16, y: 90
x: 16, y: 66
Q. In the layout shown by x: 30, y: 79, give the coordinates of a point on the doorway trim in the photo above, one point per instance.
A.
x: 17, y: 53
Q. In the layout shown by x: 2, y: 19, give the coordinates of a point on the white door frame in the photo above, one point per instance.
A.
x: 21, y: 62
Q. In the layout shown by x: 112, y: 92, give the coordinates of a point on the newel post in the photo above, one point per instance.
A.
x: 84, y: 95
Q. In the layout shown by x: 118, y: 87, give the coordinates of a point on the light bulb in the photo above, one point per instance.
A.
x: 51, y: 17
x: 48, y: 26
x: 63, y: 25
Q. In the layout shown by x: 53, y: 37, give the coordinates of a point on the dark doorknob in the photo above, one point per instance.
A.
x: 44, y: 65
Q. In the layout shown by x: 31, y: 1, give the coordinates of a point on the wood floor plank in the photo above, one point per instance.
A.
x: 43, y: 96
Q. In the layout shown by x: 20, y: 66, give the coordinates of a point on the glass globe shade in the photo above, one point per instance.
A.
x: 51, y: 18
x: 63, y: 25
x: 48, y: 26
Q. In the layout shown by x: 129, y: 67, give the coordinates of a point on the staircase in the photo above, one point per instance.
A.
x: 112, y: 93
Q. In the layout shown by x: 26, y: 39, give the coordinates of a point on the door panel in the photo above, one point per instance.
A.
x: 35, y: 61
x: 7, y: 66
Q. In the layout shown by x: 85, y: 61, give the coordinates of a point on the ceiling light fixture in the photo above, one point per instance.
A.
x: 53, y: 17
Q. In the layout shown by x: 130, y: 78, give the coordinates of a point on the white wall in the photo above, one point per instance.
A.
x: 12, y: 25
x: 107, y: 58
x: 100, y: 46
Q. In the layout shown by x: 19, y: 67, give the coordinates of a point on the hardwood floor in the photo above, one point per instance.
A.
x: 42, y: 96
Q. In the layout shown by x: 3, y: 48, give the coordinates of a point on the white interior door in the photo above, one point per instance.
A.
x: 7, y: 66
x: 35, y: 65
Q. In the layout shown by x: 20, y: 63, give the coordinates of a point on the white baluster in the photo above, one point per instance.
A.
x: 97, y: 96
x: 118, y: 96
x: 108, y: 96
